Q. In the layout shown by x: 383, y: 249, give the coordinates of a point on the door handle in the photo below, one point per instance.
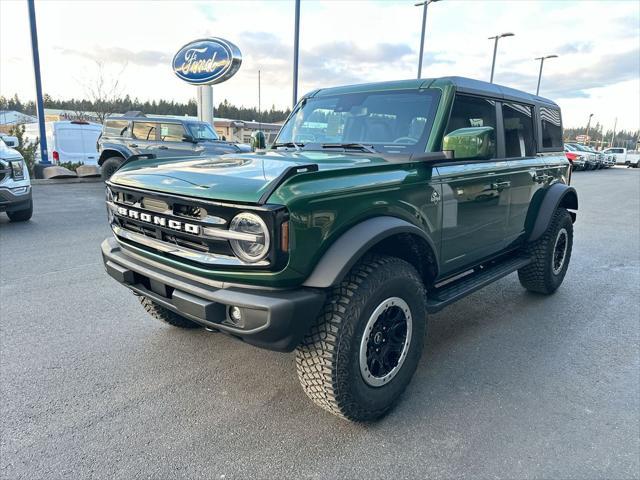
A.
x: 162, y: 147
x: 133, y: 145
x: 500, y: 185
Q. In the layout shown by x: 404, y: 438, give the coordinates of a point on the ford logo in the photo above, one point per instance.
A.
x: 207, y: 61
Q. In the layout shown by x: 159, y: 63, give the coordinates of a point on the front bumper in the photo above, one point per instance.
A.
x: 10, y: 201
x: 272, y: 319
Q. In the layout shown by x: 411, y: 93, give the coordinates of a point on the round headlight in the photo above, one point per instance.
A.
x: 255, y: 246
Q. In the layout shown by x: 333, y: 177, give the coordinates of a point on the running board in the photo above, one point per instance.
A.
x: 440, y: 297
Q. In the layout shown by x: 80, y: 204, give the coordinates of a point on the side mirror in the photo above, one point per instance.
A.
x: 470, y: 143
x: 188, y: 138
x: 258, y: 141
x: 11, y: 141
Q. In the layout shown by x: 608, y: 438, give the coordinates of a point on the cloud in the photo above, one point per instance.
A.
x: 609, y: 70
x: 350, y: 52
x: 575, y: 47
x: 145, y: 58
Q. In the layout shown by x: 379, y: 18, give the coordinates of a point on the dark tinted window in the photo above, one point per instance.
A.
x: 115, y: 128
x: 473, y: 112
x: 171, y: 132
x: 518, y: 130
x: 144, y: 130
x: 551, y: 127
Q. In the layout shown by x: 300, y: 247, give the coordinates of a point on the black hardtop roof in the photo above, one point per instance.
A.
x: 461, y: 84
x: 479, y: 87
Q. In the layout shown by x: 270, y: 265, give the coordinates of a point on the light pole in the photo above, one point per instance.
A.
x: 296, y: 42
x: 586, y: 137
x: 542, y: 59
x: 495, y: 50
x: 44, y: 155
x: 424, y: 4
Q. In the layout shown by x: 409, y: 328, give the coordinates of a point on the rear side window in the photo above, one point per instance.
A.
x: 473, y: 112
x: 551, y: 127
x: 518, y: 130
x: 171, y: 132
x: 144, y: 130
x: 115, y: 128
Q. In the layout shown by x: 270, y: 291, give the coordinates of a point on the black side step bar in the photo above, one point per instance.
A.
x: 440, y: 297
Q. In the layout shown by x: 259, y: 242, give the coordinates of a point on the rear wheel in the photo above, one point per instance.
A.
x: 165, y: 315
x: 109, y: 167
x: 364, y: 347
x: 21, y: 215
x: 550, y: 256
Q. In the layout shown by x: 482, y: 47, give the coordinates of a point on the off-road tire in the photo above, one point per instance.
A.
x: 21, y: 215
x: 166, y: 315
x: 109, y: 167
x: 328, y: 362
x: 539, y: 275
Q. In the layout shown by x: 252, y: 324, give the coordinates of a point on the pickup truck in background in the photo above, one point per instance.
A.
x: 624, y: 157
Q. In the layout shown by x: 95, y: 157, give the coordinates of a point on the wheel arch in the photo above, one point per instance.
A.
x: 544, y: 206
x: 383, y: 235
x: 110, y: 152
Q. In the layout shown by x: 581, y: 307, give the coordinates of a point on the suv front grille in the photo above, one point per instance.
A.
x: 176, y: 226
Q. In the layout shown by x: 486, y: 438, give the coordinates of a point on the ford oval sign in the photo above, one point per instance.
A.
x: 207, y: 61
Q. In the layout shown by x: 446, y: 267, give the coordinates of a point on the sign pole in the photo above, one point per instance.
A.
x: 205, y: 103
x: 44, y: 157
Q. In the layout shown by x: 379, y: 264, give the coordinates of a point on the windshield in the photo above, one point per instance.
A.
x: 202, y: 131
x: 392, y: 122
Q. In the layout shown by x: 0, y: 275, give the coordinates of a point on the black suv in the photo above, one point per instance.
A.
x: 139, y: 135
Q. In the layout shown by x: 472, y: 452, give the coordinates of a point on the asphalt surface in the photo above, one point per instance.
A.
x: 511, y: 385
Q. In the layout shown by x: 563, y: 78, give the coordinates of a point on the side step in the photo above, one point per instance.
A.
x: 440, y: 297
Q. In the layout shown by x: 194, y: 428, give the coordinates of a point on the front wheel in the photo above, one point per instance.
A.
x: 364, y: 347
x: 550, y: 256
x: 21, y: 215
x: 110, y: 166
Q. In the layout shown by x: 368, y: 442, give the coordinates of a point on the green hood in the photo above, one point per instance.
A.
x: 237, y: 178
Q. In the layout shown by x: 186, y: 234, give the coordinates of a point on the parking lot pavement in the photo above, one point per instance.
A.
x: 511, y: 385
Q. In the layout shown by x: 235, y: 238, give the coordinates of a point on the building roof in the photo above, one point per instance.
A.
x: 13, y: 117
x: 461, y: 84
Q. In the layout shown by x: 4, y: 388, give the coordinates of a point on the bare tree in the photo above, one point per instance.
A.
x: 104, y: 91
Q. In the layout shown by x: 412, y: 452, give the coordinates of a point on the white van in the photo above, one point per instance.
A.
x: 68, y: 141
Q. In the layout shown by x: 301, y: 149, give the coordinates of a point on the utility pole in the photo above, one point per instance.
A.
x: 424, y: 4
x: 613, y: 134
x: 259, y: 113
x: 586, y: 137
x: 542, y: 59
x: 495, y: 50
x: 296, y: 45
x: 44, y: 154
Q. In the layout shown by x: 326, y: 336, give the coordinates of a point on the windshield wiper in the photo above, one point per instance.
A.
x: 351, y: 146
x: 297, y: 146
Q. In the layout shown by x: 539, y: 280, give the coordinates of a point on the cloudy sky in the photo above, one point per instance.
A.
x: 341, y: 42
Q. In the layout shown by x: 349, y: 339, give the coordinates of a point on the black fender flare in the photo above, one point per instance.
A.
x: 354, y: 243
x: 110, y: 150
x: 557, y: 195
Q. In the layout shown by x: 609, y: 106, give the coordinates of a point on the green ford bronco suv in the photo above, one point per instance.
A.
x: 376, y: 206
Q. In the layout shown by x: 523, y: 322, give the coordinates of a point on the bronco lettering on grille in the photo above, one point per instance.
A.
x: 160, y: 221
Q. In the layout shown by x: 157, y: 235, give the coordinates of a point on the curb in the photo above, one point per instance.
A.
x: 60, y: 181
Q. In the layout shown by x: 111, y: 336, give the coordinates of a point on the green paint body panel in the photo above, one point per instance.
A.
x: 480, y: 206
